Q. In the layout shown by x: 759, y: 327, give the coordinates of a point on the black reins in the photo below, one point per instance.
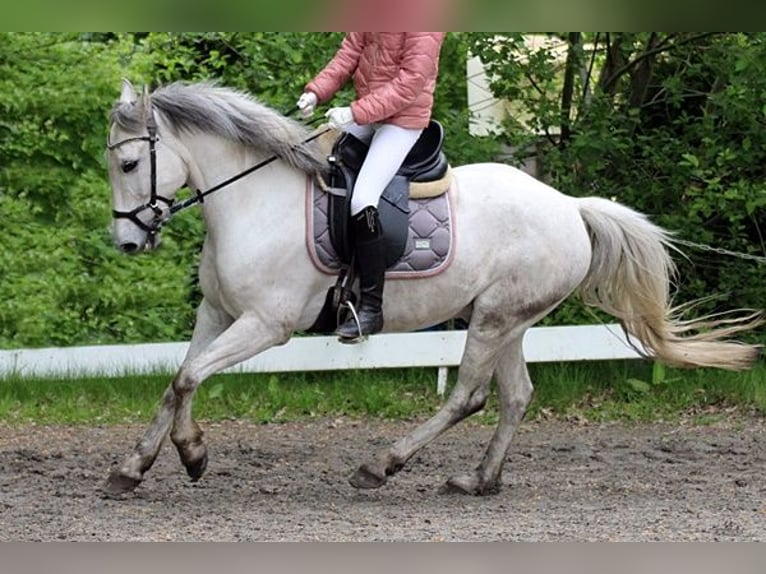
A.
x: 172, y: 208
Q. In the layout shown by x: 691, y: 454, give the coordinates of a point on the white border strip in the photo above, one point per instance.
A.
x: 319, y: 353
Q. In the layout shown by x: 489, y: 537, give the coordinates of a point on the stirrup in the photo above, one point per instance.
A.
x: 360, y: 337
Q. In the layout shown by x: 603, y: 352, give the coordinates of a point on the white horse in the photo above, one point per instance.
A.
x: 522, y: 248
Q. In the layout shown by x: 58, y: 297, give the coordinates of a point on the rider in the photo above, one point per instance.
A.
x: 394, y: 77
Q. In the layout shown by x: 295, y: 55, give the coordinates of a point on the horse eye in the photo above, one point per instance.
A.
x: 128, y: 165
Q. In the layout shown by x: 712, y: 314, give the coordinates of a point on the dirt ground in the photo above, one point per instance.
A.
x: 563, y: 481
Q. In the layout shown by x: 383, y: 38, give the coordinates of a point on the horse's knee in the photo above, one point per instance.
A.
x: 184, y: 383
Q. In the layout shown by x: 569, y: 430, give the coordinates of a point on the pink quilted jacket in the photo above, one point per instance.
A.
x: 394, y: 76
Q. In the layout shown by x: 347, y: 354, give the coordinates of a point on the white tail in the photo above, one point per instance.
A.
x: 630, y: 277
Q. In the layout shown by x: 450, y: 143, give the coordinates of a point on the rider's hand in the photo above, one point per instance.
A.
x: 340, y: 118
x: 307, y: 103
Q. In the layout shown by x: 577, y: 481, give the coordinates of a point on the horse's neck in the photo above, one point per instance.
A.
x: 257, y: 199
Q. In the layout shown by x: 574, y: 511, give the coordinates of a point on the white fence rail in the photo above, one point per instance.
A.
x: 441, y: 349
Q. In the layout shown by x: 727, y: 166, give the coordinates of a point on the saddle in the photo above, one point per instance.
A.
x: 425, y: 166
x: 424, y: 174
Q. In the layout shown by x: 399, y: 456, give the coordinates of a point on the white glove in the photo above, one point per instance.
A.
x: 340, y: 118
x: 307, y: 103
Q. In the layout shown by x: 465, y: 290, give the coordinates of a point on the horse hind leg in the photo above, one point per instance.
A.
x: 514, y: 389
x: 468, y: 396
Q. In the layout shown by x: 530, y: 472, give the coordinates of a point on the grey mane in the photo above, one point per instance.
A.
x: 231, y: 114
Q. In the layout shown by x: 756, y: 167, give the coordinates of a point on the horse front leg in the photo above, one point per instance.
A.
x: 468, y: 396
x: 210, y: 324
x: 246, y: 337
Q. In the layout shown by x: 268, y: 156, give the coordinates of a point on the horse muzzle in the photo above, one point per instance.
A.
x: 153, y: 240
x: 131, y: 239
x: 134, y: 232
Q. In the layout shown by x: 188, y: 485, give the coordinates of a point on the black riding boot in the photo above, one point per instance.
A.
x: 371, y: 265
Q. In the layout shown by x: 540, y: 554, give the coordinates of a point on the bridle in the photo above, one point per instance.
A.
x: 159, y: 219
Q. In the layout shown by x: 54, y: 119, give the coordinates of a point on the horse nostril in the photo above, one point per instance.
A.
x: 129, y: 247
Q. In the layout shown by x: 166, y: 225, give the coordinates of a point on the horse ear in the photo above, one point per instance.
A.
x: 128, y: 95
x: 146, y: 103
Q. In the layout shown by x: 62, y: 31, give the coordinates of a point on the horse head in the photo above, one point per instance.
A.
x: 145, y: 171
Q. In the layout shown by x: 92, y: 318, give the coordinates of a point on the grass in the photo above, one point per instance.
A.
x: 598, y: 391
x: 643, y: 392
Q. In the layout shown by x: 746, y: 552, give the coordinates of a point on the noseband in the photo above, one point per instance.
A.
x: 157, y: 221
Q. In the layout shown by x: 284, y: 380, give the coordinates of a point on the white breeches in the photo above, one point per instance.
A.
x: 389, y: 145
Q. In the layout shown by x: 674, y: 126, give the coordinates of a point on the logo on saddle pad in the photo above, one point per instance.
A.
x: 415, y: 209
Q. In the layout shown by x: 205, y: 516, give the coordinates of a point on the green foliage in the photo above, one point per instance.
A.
x: 273, y: 66
x: 61, y: 280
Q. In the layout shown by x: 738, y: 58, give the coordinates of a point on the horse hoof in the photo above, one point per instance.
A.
x: 458, y: 486
x: 118, y: 483
x: 197, y: 469
x: 364, y: 478
x: 469, y: 484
